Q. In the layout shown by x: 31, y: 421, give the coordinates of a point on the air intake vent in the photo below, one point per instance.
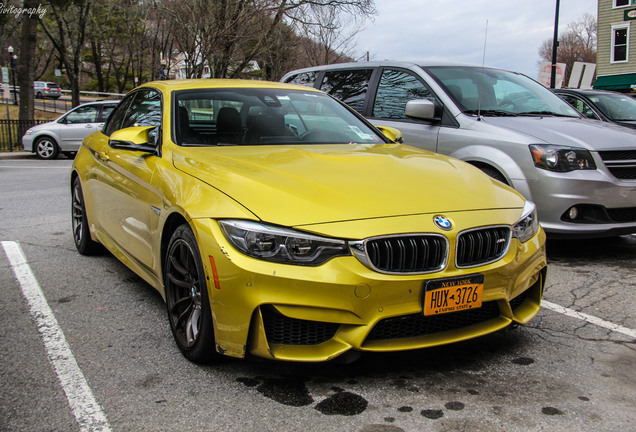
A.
x: 482, y: 246
x: 403, y: 254
x: 621, y: 163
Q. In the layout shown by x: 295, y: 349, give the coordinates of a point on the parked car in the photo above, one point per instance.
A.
x: 608, y: 106
x: 581, y: 174
x: 66, y: 133
x: 275, y: 221
x: 46, y: 89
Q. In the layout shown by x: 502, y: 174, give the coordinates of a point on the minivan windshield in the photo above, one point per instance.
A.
x: 257, y: 116
x: 496, y: 92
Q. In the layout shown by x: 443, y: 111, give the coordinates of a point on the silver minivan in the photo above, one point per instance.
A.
x: 46, y: 89
x: 580, y: 173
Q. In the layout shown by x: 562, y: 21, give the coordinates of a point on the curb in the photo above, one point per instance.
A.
x: 16, y: 155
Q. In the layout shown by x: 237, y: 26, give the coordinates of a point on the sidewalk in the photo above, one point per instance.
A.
x: 16, y: 155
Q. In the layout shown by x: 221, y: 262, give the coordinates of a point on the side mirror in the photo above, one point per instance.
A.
x: 391, y: 133
x: 422, y: 109
x: 134, y: 138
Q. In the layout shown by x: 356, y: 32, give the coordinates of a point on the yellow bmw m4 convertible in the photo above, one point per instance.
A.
x: 277, y: 222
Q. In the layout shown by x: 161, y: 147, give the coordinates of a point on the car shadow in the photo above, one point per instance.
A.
x: 617, y: 250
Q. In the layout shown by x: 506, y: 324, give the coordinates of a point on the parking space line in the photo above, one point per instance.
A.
x: 589, y: 318
x: 80, y: 397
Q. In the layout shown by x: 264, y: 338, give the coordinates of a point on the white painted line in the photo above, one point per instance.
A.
x: 33, y: 167
x: 589, y: 318
x: 80, y: 397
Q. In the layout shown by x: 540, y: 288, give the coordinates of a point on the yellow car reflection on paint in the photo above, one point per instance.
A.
x: 277, y: 222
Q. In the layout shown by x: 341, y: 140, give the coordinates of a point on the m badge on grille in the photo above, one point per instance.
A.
x: 443, y: 223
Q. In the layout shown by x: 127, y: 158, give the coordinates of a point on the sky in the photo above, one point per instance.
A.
x: 451, y: 30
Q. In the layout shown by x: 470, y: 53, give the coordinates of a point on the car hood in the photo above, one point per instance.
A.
x: 303, y: 185
x: 48, y: 126
x: 627, y: 123
x: 589, y: 134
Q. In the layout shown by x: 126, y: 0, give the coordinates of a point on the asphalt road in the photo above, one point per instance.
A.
x: 573, y: 368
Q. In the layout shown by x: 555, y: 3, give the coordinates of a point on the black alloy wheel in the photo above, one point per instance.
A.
x: 81, y: 234
x: 187, y: 298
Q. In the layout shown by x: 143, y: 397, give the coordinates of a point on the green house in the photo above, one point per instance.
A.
x: 616, y: 49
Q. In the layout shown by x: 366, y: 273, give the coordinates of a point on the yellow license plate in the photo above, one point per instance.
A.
x: 453, y: 295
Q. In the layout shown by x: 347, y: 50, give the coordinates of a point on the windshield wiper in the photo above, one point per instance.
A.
x: 492, y: 112
x: 544, y: 113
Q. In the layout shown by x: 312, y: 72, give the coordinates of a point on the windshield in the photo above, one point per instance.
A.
x: 495, y: 92
x: 617, y: 107
x: 265, y: 116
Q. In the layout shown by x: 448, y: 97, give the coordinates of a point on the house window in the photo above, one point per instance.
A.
x: 620, y: 43
x: 623, y: 3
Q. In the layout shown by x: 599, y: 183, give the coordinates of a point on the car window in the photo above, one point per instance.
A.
x: 496, y: 92
x: 350, y: 86
x: 303, y: 78
x: 265, y: 116
x: 115, y: 120
x: 580, y: 105
x: 82, y: 114
x: 105, y: 112
x: 396, y: 88
x: 144, y: 110
x: 618, y: 107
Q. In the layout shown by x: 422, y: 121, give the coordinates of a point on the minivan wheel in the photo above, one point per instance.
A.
x: 46, y: 148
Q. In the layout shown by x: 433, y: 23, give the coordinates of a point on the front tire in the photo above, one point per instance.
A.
x: 81, y: 233
x: 187, y: 298
x: 46, y: 148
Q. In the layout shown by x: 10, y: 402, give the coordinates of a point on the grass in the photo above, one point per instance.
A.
x: 14, y: 114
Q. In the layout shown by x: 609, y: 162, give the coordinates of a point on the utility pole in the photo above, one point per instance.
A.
x: 555, y: 44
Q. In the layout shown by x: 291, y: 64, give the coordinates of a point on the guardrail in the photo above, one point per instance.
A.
x: 63, y: 105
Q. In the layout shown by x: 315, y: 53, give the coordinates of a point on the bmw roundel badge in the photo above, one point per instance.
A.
x: 443, y: 223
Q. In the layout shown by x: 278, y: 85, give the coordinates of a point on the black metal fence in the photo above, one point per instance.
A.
x: 11, y: 132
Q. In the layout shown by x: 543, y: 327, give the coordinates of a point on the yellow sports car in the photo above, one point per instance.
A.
x: 277, y: 222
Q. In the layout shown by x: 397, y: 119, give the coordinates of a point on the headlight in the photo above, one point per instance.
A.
x: 561, y: 158
x: 28, y: 132
x: 282, y: 245
x: 528, y: 225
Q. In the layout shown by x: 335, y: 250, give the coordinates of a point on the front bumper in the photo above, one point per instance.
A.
x: 607, y: 205
x: 314, y: 314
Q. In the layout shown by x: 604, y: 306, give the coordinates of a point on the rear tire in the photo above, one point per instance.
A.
x: 187, y: 298
x: 81, y: 233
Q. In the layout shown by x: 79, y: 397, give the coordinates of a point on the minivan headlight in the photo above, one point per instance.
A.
x: 279, y: 244
x: 561, y: 158
x: 528, y: 225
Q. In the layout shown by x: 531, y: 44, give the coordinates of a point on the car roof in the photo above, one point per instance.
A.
x: 195, y: 84
x: 585, y: 91
x: 100, y: 102
x: 388, y: 63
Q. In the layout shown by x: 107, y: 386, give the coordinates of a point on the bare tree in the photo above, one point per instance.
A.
x: 297, y: 11
x: 333, y: 32
x: 577, y: 44
x: 67, y: 30
x: 28, y: 37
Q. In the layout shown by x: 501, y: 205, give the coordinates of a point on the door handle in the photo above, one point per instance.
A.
x: 88, y: 125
